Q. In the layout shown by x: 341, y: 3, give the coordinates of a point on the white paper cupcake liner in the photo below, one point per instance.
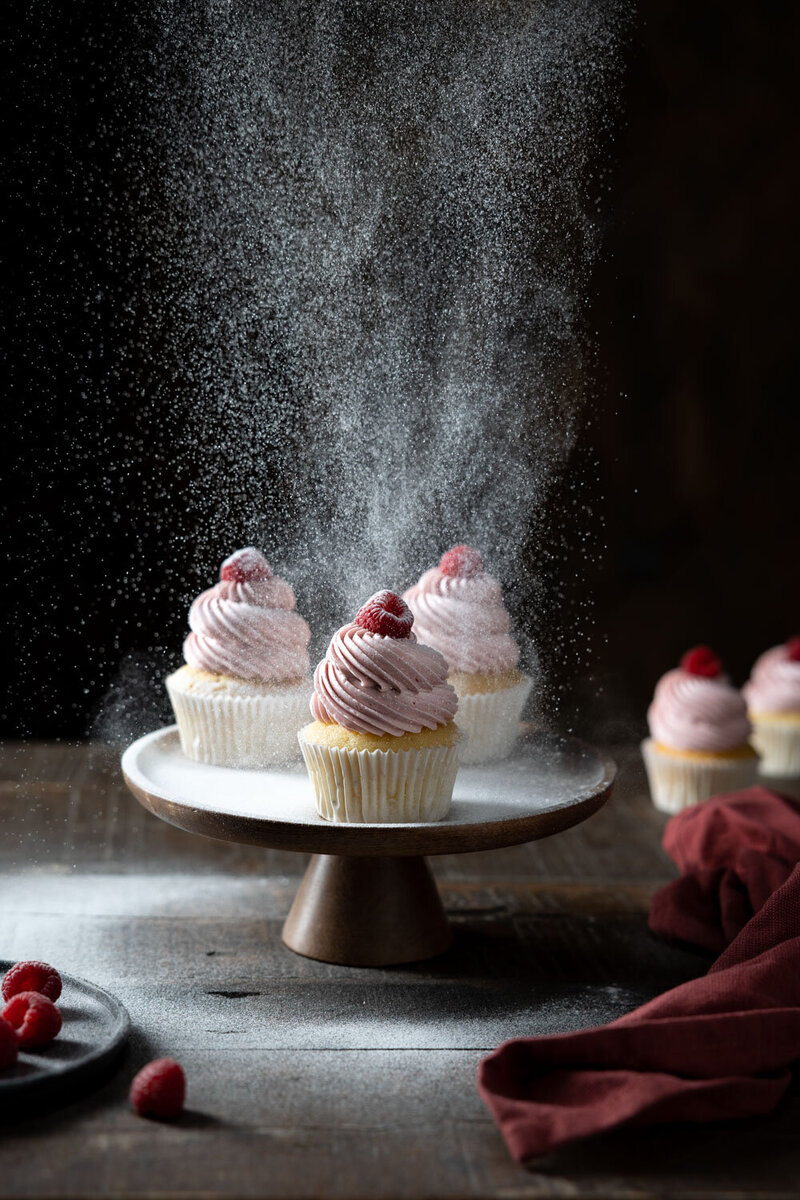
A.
x: 381, y: 786
x: 490, y: 722
x: 778, y: 743
x: 239, y: 731
x: 676, y: 782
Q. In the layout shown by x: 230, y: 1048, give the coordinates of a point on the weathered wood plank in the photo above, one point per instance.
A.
x: 388, y: 1124
x: 238, y: 896
x: 87, y: 818
x: 191, y: 975
x: 731, y: 1160
x: 307, y: 1079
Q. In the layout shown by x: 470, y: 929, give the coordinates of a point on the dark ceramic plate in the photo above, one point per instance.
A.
x: 91, y: 1041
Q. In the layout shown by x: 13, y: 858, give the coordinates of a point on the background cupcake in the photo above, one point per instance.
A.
x: 243, y: 693
x: 458, y: 609
x: 773, y: 700
x: 699, y: 735
x: 383, y: 744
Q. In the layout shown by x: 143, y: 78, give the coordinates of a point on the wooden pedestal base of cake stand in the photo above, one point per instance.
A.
x: 368, y: 897
x: 367, y: 912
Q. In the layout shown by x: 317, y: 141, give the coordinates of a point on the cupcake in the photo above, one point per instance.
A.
x: 243, y: 693
x: 773, y: 700
x: 458, y: 609
x: 383, y: 743
x: 699, y: 735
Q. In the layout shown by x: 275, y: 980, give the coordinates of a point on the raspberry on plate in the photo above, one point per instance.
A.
x: 9, y: 1047
x: 159, y: 1089
x: 385, y: 613
x: 35, y: 1018
x: 32, y: 977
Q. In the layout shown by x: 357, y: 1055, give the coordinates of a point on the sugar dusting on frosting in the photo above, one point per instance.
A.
x: 248, y: 629
x: 369, y: 683
x: 464, y: 618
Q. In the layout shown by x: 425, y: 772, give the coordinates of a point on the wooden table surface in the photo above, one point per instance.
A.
x: 306, y: 1079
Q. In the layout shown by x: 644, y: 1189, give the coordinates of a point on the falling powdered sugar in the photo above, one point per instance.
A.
x: 370, y: 230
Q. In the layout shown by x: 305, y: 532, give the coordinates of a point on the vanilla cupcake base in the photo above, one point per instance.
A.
x: 232, y: 723
x: 375, y: 786
x: 489, y: 720
x: 776, y: 737
x: 678, y: 780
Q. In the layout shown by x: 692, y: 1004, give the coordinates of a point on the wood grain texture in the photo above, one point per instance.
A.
x: 310, y: 1079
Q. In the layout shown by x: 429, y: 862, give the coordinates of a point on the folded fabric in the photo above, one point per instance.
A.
x: 714, y: 1048
x: 733, y: 852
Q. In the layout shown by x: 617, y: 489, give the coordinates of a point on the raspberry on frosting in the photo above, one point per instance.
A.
x: 793, y: 649
x: 380, y: 682
x: 385, y: 613
x: 246, y: 625
x: 461, y: 562
x: 701, y: 660
x: 245, y: 566
x: 458, y: 609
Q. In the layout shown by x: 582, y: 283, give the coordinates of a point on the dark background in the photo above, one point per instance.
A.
x: 694, y: 421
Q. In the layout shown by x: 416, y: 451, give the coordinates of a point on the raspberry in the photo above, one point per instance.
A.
x: 32, y: 977
x: 461, y: 561
x: 9, y: 1047
x: 385, y: 613
x: 159, y: 1089
x: 35, y: 1018
x: 701, y: 661
x: 245, y: 566
x: 793, y: 646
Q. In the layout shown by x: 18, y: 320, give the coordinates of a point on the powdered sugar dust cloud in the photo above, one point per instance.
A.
x: 370, y: 228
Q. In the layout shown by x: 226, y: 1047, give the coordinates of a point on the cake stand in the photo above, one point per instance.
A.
x: 368, y: 897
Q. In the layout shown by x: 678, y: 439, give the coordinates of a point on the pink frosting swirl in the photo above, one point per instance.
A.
x: 774, y: 684
x: 693, y: 712
x: 373, y: 684
x: 465, y: 620
x: 248, y: 629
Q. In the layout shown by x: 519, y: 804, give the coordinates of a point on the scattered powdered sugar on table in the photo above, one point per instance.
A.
x: 369, y: 231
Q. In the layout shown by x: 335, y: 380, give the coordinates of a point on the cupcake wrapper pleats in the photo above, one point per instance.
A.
x: 676, y: 782
x: 490, y: 722
x: 381, y: 786
x: 778, y: 743
x: 237, y: 731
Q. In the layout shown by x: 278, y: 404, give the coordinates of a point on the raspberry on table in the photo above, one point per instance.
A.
x: 245, y: 566
x: 159, y: 1089
x: 9, y: 1046
x: 387, y: 614
x: 462, y: 562
x: 35, y: 1019
x: 32, y: 977
x: 700, y: 660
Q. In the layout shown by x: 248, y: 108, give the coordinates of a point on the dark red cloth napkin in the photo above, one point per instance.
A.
x: 714, y: 1048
